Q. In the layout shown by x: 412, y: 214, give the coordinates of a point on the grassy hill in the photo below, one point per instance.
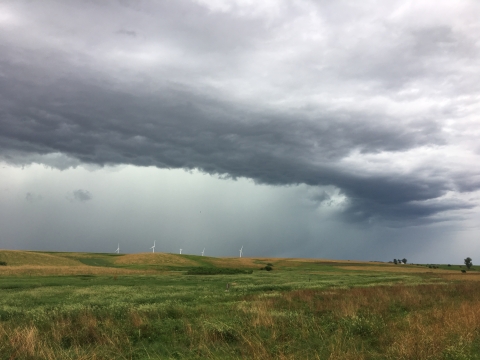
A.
x: 35, y: 258
x: 166, y: 262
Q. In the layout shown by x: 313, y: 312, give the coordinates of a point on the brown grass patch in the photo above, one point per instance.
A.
x: 469, y: 276
x: 255, y: 262
x: 403, y: 322
x: 21, y: 258
x: 237, y: 262
x: 398, y: 269
x: 68, y: 270
x: 25, y: 341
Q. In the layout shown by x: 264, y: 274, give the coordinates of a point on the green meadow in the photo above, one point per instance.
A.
x: 168, y: 306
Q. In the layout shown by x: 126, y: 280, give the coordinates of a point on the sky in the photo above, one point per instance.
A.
x: 316, y: 129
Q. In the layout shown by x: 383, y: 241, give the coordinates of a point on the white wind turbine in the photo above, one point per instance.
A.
x: 241, y: 250
x: 203, y: 251
x: 153, y: 247
x: 118, y: 249
x: 180, y: 251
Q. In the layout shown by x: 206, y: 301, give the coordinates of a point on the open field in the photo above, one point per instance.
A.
x: 145, y: 306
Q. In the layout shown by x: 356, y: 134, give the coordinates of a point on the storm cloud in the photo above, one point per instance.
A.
x: 378, y: 100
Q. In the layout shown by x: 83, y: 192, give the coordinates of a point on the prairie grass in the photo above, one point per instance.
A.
x: 398, y: 269
x: 154, y: 259
x: 309, y: 310
x: 433, y: 321
x: 470, y: 276
x: 43, y: 270
x: 19, y: 258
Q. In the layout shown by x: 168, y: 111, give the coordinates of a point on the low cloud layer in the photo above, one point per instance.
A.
x: 80, y: 195
x: 377, y: 100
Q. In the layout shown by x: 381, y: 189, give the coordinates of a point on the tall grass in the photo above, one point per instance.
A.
x: 432, y: 321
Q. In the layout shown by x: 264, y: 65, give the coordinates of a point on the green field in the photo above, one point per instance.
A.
x: 146, y: 306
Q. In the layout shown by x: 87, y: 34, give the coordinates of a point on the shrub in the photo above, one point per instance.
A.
x: 3, y: 263
x: 268, y: 268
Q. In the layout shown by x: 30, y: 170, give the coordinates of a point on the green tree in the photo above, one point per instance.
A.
x: 395, y: 261
x: 404, y: 260
x: 468, y: 262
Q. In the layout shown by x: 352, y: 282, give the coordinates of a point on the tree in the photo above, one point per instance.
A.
x: 468, y: 262
x: 404, y: 260
x: 395, y: 261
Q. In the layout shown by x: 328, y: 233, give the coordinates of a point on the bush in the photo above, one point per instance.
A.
x: 3, y: 263
x: 268, y: 268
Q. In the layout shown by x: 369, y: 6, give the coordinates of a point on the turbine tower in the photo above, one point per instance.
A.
x: 203, y: 251
x: 153, y: 247
x: 118, y: 249
x: 241, y: 250
x: 180, y: 251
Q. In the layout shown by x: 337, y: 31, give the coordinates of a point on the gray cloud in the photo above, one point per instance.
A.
x: 80, y: 195
x: 127, y: 32
x: 32, y: 198
x: 368, y: 100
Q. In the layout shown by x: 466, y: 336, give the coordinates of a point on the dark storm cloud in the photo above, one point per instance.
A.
x: 171, y: 85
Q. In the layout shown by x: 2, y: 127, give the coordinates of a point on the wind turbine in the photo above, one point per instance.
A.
x: 203, y: 251
x: 153, y: 247
x: 241, y: 249
x: 118, y: 249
